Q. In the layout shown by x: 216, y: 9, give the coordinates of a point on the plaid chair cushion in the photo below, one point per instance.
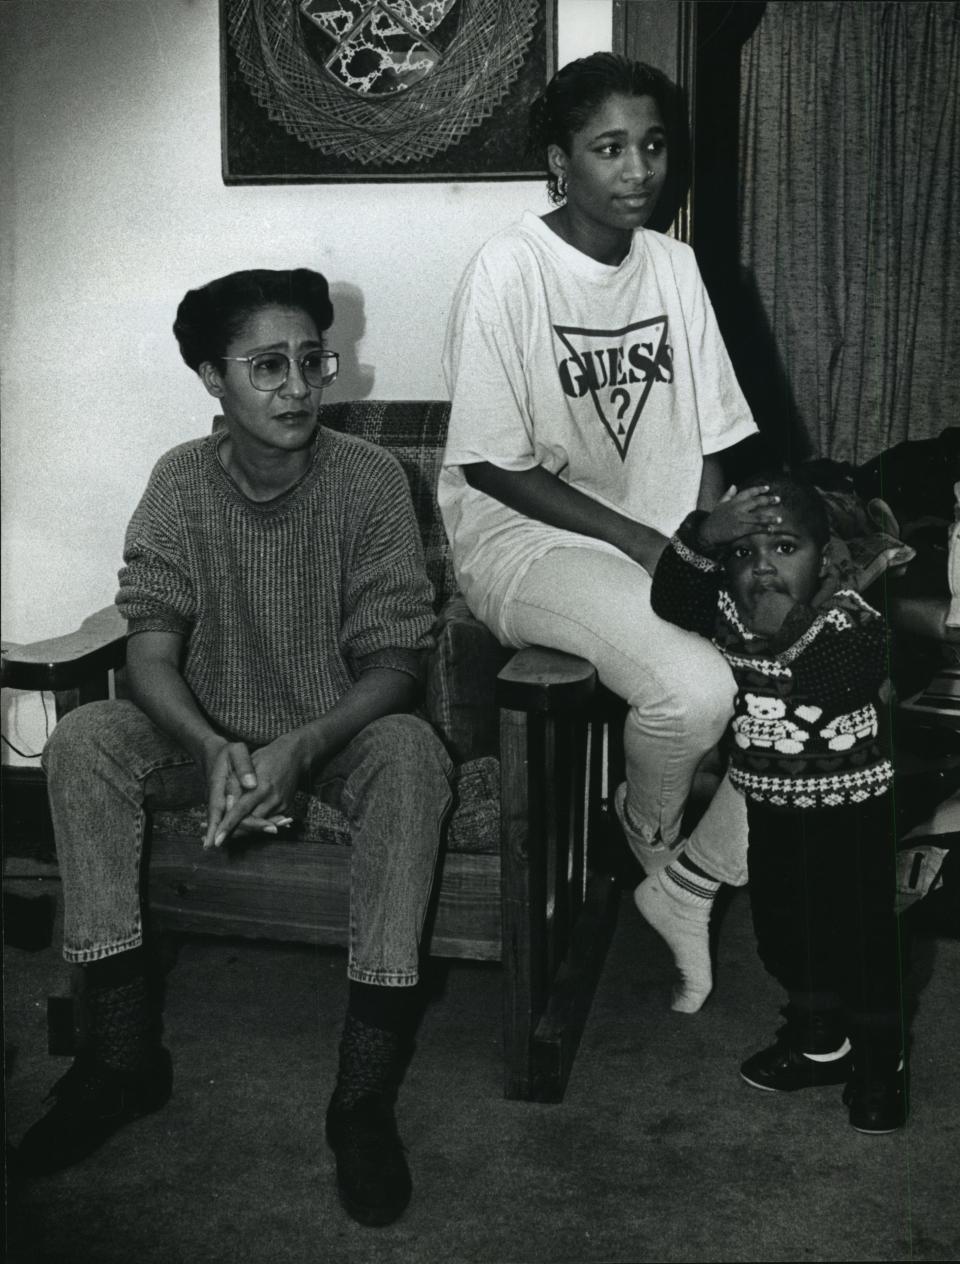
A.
x: 415, y: 432
x: 461, y: 682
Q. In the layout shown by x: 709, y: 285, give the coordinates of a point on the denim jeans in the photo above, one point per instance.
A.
x: 106, y: 763
x: 679, y: 690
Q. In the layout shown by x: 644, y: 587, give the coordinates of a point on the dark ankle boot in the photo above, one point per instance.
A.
x: 373, y: 1179
x: 784, y: 1066
x: 123, y: 1074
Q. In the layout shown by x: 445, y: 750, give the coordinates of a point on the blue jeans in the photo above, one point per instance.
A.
x: 106, y: 762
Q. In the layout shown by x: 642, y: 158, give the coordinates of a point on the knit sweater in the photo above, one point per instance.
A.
x: 284, y: 603
x: 805, y: 723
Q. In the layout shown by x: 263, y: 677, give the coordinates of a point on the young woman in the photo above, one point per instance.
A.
x: 278, y: 610
x: 591, y: 396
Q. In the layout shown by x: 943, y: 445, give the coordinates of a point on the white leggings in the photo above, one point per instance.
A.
x: 679, y: 690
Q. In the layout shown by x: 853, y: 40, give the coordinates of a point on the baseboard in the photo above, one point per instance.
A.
x: 27, y: 827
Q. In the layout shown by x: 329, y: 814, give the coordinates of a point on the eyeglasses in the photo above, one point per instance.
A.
x: 270, y: 369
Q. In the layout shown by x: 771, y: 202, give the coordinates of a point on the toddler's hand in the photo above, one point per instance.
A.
x: 738, y: 514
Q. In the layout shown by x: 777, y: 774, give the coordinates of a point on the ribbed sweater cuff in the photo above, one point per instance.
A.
x: 413, y: 662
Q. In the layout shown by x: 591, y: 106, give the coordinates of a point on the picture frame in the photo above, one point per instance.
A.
x: 305, y: 99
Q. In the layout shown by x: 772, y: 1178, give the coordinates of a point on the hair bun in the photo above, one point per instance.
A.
x: 210, y: 316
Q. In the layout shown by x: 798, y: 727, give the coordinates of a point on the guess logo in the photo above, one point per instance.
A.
x: 617, y: 368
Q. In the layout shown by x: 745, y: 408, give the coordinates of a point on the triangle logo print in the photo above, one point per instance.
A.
x: 617, y: 368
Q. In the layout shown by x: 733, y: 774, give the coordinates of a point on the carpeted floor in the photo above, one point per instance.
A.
x: 659, y: 1151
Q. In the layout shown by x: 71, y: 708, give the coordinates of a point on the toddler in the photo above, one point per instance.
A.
x: 753, y: 575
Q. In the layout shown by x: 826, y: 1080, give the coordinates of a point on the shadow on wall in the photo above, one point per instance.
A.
x: 679, y: 168
x: 710, y: 169
x: 355, y: 380
x: 722, y: 30
x: 759, y: 366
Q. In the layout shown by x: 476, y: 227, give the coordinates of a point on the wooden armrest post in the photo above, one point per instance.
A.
x: 556, y: 916
x: 522, y: 894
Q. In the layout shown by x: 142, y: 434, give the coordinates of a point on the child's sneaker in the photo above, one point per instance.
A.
x: 877, y: 1100
x: 795, y: 1060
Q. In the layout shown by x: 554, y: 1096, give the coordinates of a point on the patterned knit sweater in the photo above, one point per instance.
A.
x: 283, y: 604
x: 805, y: 724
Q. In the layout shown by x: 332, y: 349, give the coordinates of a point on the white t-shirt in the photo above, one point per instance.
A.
x: 615, y: 379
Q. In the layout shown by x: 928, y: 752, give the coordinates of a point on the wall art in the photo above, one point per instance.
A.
x: 340, y: 90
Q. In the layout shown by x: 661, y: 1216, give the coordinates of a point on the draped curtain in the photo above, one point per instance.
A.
x: 850, y: 231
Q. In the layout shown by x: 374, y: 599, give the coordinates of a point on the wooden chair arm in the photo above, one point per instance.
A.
x: 67, y: 662
x: 546, y: 681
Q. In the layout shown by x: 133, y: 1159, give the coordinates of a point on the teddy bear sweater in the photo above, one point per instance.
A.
x: 804, y: 732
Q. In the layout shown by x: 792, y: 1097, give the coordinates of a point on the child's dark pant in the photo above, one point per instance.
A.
x: 822, y: 890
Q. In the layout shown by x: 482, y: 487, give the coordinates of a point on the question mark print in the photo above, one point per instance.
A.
x: 624, y: 396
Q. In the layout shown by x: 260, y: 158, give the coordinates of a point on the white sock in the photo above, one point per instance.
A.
x: 677, y: 903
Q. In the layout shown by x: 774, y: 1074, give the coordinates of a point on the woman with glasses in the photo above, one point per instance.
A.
x: 278, y: 612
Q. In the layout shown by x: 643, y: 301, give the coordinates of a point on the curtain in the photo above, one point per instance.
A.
x: 850, y: 232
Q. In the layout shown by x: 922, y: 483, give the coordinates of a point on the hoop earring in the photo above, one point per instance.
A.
x: 562, y: 186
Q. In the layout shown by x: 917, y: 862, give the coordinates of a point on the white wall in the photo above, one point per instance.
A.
x: 113, y: 206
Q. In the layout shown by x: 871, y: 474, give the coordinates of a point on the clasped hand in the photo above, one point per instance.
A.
x: 737, y: 514
x: 251, y: 792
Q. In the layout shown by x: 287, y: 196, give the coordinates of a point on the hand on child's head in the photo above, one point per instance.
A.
x: 738, y: 514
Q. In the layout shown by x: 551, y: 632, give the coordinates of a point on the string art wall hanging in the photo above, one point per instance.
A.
x: 319, y: 90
